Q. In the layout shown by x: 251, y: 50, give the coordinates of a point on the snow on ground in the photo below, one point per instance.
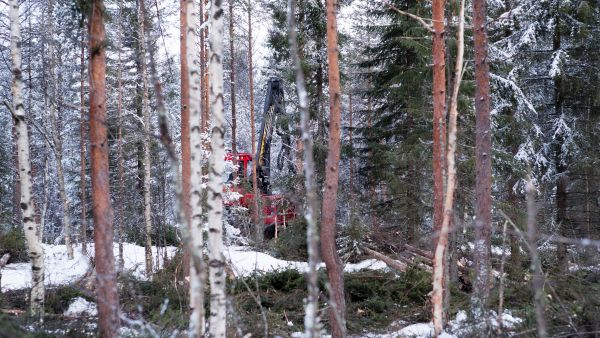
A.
x: 60, y: 270
x: 245, y: 262
x: 80, y: 306
x: 459, y: 327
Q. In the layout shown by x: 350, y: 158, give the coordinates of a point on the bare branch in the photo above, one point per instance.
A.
x: 410, y: 15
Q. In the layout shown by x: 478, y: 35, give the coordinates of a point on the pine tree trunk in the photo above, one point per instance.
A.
x: 56, y: 138
x: 483, y: 164
x: 106, y: 281
x: 147, y: 140
x: 83, y: 143
x: 185, y: 127
x: 121, y: 159
x: 197, y: 270
x: 215, y: 183
x: 441, y: 250
x: 337, y: 307
x: 312, y: 328
x: 439, y: 112
x: 34, y: 247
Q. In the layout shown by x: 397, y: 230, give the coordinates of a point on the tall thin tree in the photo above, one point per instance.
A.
x: 106, y: 278
x: 185, y: 125
x: 232, y: 84
x: 337, y: 310
x: 216, y: 168
x: 439, y: 110
x: 441, y: 249
x: 83, y: 143
x: 483, y: 164
x: 34, y: 247
x: 258, y: 234
x: 120, y: 154
x: 311, y: 320
x: 147, y: 139
x: 197, y: 156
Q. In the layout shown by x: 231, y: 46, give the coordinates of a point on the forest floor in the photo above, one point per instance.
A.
x: 260, y: 286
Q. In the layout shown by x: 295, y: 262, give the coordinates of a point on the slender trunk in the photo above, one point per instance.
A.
x: 337, y: 309
x: 34, y: 247
x: 185, y: 127
x: 17, y: 214
x: 439, y: 112
x: 56, y: 138
x: 537, y: 282
x: 483, y: 165
x: 215, y: 183
x: 232, y: 86
x: 106, y: 281
x: 83, y: 144
x: 121, y: 159
x: 559, y: 162
x: 439, y: 259
x: 196, y: 328
x: 351, y: 157
x: 206, y: 110
x: 258, y: 231
x: 312, y: 327
x: 203, y: 91
x: 147, y: 140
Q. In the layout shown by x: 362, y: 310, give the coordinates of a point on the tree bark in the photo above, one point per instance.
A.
x: 440, y: 254
x: 107, y: 297
x: 215, y: 183
x: 185, y: 127
x: 232, y: 86
x: 337, y: 309
x: 121, y: 159
x: 312, y: 327
x: 258, y: 228
x: 56, y: 138
x: 537, y: 282
x: 147, y: 141
x: 483, y: 165
x: 197, y: 155
x: 439, y: 112
x: 83, y: 143
x: 34, y: 247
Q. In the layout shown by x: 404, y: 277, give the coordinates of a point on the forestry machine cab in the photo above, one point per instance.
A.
x: 276, y: 210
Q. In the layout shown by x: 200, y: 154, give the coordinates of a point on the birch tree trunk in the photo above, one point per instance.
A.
x: 215, y: 168
x: 107, y: 297
x: 196, y: 328
x: 439, y: 258
x: 34, y: 247
x: 56, y: 138
x: 147, y: 140
x: 185, y: 127
x: 121, y: 160
x: 439, y: 110
x: 483, y: 165
x: 312, y: 328
x: 337, y: 306
x: 83, y: 143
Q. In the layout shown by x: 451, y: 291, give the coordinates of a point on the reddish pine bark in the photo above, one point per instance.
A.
x: 439, y: 110
x: 483, y: 162
x: 337, y: 308
x: 186, y: 169
x: 106, y: 281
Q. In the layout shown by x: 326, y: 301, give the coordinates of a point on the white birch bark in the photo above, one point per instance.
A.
x: 34, y: 248
x: 56, y: 138
x: 312, y: 328
x: 147, y: 140
x: 197, y: 324
x: 439, y: 257
x: 216, y: 166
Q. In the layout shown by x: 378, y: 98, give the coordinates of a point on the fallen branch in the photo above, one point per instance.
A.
x: 392, y: 263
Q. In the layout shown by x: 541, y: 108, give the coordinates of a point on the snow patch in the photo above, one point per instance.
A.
x: 80, y: 306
